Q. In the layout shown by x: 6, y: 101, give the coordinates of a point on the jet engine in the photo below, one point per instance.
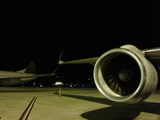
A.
x: 124, y: 75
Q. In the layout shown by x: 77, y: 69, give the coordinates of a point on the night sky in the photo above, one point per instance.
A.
x: 81, y: 31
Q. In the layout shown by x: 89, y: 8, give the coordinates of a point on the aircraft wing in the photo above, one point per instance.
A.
x: 81, y: 61
x: 151, y: 54
x: 44, y: 75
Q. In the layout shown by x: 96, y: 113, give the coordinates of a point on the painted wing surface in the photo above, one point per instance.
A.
x: 81, y: 61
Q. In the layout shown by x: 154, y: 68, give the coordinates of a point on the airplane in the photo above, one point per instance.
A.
x: 125, y: 74
x: 22, y: 76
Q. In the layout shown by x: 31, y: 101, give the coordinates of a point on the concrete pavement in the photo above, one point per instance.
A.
x: 75, y: 103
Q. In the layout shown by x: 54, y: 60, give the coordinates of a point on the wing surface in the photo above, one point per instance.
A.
x: 81, y: 61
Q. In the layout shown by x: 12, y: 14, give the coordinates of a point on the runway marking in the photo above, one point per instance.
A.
x: 28, y: 109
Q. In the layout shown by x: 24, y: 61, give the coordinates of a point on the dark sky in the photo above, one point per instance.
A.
x: 82, y: 31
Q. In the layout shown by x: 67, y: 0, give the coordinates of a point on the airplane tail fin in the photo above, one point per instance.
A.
x: 31, y: 68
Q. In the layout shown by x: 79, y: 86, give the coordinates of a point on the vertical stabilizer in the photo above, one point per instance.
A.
x: 31, y: 68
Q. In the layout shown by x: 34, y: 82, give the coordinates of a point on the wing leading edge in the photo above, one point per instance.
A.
x: 81, y: 61
x: 151, y: 54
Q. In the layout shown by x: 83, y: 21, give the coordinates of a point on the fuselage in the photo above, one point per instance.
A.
x: 14, y: 78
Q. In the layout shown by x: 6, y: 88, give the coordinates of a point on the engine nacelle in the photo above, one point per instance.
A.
x: 124, y: 75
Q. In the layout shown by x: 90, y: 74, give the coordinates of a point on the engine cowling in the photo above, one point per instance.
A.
x: 124, y: 75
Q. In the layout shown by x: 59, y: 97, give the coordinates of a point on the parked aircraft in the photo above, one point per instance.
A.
x: 125, y: 74
x: 21, y: 76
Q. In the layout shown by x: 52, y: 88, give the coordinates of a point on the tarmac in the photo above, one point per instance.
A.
x: 72, y: 104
